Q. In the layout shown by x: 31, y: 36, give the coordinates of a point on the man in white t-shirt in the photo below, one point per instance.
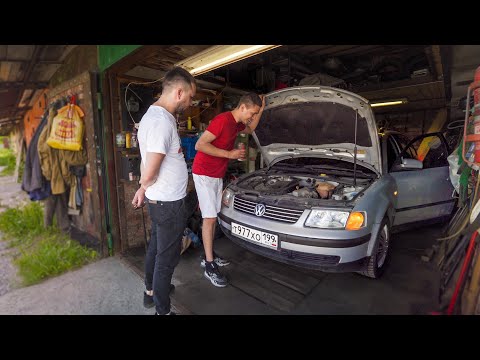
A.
x: 164, y: 179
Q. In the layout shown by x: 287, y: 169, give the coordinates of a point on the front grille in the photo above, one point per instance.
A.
x: 311, y: 261
x: 271, y: 212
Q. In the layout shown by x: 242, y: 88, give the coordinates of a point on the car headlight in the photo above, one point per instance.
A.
x: 227, y: 197
x: 333, y: 219
x: 327, y: 219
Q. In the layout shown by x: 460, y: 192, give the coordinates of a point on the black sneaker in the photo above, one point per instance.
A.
x: 169, y: 313
x: 213, y: 274
x: 218, y: 260
x: 148, y: 300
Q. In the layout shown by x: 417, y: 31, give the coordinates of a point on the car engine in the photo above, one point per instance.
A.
x: 301, y: 187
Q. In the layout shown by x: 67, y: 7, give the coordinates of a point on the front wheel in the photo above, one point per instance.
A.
x: 376, y: 263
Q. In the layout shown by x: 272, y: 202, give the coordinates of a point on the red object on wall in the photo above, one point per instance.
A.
x: 476, y: 113
x: 32, y: 118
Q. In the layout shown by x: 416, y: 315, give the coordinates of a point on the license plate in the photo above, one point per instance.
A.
x: 257, y: 236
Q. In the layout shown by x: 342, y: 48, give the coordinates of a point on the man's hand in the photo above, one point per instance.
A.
x: 237, y: 154
x: 263, y: 102
x: 139, y: 199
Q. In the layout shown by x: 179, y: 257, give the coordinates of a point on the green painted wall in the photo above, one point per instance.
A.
x: 110, y: 54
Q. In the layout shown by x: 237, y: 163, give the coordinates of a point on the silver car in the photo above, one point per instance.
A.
x: 333, y: 188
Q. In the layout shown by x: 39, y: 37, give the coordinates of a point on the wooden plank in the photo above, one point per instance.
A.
x: 280, y: 273
x: 120, y: 244
x: 110, y: 162
x: 5, y: 70
x: 264, y: 289
x: 20, y: 52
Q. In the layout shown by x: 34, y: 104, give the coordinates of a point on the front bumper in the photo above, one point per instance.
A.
x: 313, y: 253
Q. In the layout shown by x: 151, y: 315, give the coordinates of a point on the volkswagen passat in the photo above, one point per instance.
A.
x: 332, y: 189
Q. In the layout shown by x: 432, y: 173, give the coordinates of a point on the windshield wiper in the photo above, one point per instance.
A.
x: 340, y: 170
x: 296, y: 168
x: 315, y: 169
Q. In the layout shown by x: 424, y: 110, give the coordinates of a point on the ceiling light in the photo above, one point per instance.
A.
x: 389, y: 102
x: 220, y: 55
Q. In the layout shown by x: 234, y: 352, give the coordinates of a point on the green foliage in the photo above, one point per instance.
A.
x: 7, y: 158
x: 43, y: 252
x: 21, y: 225
x: 54, y: 254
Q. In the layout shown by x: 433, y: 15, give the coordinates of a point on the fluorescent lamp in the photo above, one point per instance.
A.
x: 220, y: 55
x: 389, y: 103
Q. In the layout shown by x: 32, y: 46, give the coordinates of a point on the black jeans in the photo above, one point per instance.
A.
x: 163, y: 253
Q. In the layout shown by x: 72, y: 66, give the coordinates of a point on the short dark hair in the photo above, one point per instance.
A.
x: 250, y: 99
x: 175, y: 75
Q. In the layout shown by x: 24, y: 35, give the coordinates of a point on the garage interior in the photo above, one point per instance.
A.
x: 430, y: 80
x: 431, y: 87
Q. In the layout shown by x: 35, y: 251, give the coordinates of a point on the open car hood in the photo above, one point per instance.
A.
x: 317, y: 121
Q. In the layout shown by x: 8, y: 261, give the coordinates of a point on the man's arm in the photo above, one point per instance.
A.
x: 148, y: 177
x: 252, y: 125
x: 150, y: 172
x: 204, y: 144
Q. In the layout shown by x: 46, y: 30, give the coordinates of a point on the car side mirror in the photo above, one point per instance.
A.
x: 408, y: 164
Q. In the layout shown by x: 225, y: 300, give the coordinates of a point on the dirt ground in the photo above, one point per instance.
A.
x: 11, y: 195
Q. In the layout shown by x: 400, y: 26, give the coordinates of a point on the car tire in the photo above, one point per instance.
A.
x: 376, y: 263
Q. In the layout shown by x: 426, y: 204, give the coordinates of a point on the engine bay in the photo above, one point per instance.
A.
x: 303, y: 186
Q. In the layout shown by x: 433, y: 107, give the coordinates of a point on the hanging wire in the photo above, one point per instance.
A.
x: 126, y: 90
x: 451, y: 126
x: 216, y: 98
x: 152, y: 82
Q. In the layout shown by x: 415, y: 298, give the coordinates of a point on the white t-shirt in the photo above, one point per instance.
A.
x: 158, y: 134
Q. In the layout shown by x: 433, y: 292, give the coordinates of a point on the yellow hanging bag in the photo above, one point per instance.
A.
x: 67, y: 129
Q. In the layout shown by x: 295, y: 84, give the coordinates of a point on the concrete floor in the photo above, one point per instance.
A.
x: 261, y: 286
x: 258, y: 286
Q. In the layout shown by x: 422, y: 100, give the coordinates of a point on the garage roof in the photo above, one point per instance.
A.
x: 24, y: 71
x: 419, y: 73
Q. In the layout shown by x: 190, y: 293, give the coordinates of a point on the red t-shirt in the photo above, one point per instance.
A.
x: 226, y: 129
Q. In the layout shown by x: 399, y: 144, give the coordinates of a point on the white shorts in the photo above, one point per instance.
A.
x: 209, y: 193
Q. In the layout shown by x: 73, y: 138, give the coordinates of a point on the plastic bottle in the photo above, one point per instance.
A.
x: 241, y: 146
x: 128, y: 140
x: 189, y: 123
x: 134, y: 139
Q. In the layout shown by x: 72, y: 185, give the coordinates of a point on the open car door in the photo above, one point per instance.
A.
x: 421, y: 171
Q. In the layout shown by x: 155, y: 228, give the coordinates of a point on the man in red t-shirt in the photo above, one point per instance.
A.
x: 215, y: 149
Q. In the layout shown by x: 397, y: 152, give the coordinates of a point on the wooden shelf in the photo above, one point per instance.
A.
x: 128, y: 150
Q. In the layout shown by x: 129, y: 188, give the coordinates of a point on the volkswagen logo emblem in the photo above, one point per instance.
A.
x: 259, y: 209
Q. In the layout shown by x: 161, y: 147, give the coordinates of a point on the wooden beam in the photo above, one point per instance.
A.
x: 26, y: 85
x: 434, y: 61
x: 9, y: 109
x: 395, y: 84
x: 26, y: 76
x: 44, y: 62
x: 446, y: 61
x: 437, y: 61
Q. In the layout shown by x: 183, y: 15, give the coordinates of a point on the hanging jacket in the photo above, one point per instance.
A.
x: 56, y: 163
x: 33, y: 181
